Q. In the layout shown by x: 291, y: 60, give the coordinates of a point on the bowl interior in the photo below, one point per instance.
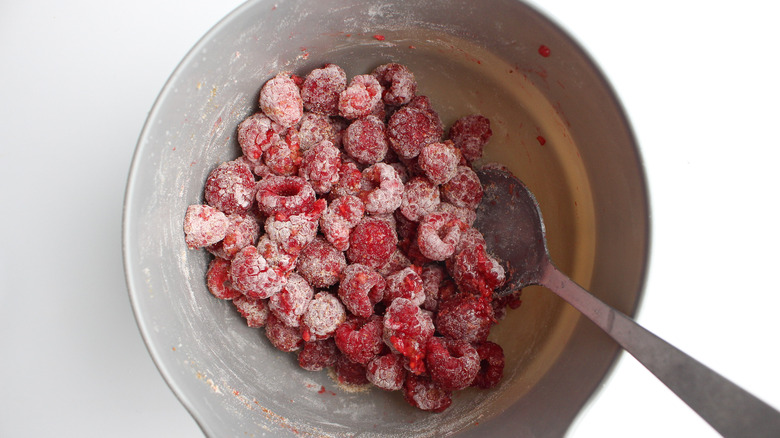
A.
x: 549, y: 116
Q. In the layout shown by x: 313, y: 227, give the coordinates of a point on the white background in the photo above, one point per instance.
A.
x: 700, y: 82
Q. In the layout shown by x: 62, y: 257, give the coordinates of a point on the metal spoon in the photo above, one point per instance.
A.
x: 521, y: 245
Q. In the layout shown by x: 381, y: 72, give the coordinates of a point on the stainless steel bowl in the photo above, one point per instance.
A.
x: 557, y: 124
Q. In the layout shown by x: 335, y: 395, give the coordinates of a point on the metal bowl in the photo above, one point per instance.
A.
x: 557, y: 124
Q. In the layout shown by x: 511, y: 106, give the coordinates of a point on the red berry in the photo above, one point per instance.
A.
x: 398, y: 83
x: 386, y: 372
x: 439, y: 161
x: 292, y: 233
x: 464, y: 189
x: 320, y: 166
x: 342, y: 215
x: 465, y: 317
x: 204, y: 225
x: 405, y: 283
x: 470, y: 134
x: 362, y: 97
x: 476, y: 272
x: 406, y: 330
x: 318, y: 355
x: 282, y: 336
x: 279, y: 260
x: 349, y: 180
x: 255, y: 312
x: 410, y: 129
x: 284, y: 157
x: 365, y: 140
x: 242, y: 231
x: 321, y: 264
x: 420, y: 198
x: 321, y: 89
x: 451, y: 363
x: 218, y: 280
x: 372, y: 242
x: 349, y: 372
x: 323, y: 316
x: 280, y: 100
x: 284, y: 194
x: 291, y: 302
x: 438, y: 235
x: 421, y: 392
x: 256, y: 134
x: 360, y: 289
x: 360, y: 339
x: 230, y: 187
x: 381, y: 189
x: 314, y: 129
x: 252, y: 276
x: 465, y: 215
x: 491, y: 370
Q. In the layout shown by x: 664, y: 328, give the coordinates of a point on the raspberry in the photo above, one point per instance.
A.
x: 452, y: 364
x: 491, y: 371
x: 381, y: 189
x: 349, y: 180
x: 465, y: 215
x: 256, y: 134
x: 320, y: 166
x: 242, y: 231
x: 284, y: 157
x: 410, y: 129
x: 293, y: 233
x: 470, y: 237
x: 230, y: 187
x: 251, y: 275
x: 475, y: 272
x: 422, y: 393
x: 470, y: 134
x: 398, y: 83
x: 465, y: 317
x: 420, y: 198
x: 397, y: 262
x: 314, y: 129
x: 291, y: 302
x: 439, y: 161
x: 438, y: 235
x: 280, y: 100
x: 321, y: 89
x: 218, y: 280
x: 362, y: 97
x: 360, y: 288
x: 372, y: 242
x: 464, y: 189
x: 278, y: 260
x: 405, y: 283
x: 342, y: 215
x: 323, y: 316
x: 204, y: 225
x: 318, y: 355
x: 360, y: 339
x: 349, y: 372
x: 339, y: 125
x: 437, y: 286
x: 406, y: 329
x: 282, y: 336
x: 386, y: 372
x: 284, y: 194
x: 365, y: 140
x: 321, y: 264
x: 255, y: 312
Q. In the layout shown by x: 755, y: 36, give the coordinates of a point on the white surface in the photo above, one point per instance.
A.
x: 698, y: 80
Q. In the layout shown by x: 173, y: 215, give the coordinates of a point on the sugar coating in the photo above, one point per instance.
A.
x: 410, y: 129
x: 280, y: 261
x: 242, y: 231
x: 470, y: 134
x: 342, y: 215
x: 251, y: 275
x: 438, y: 235
x: 362, y: 97
x: 204, y: 225
x: 398, y: 83
x: 439, y: 161
x: 323, y: 316
x: 315, y: 128
x: 465, y: 317
x: 257, y: 133
x: 365, y: 140
x: 230, y: 187
x: 318, y: 355
x: 284, y: 194
x: 282, y: 336
x: 349, y: 180
x: 280, y: 100
x: 464, y: 189
x: 283, y: 157
x: 255, y: 312
x: 321, y: 89
x: 321, y: 264
x: 386, y: 372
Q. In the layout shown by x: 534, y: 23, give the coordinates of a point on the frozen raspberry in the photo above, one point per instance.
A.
x: 491, y: 357
x: 282, y: 336
x: 438, y: 235
x: 464, y: 189
x: 252, y: 276
x: 293, y: 233
x: 465, y: 215
x: 362, y: 97
x: 349, y: 372
x: 230, y: 187
x: 386, y: 372
x: 314, y: 129
x: 321, y: 264
x: 323, y: 316
x: 255, y: 312
x: 470, y: 134
x: 218, y: 280
x: 339, y: 125
x: 318, y: 355
x: 476, y: 272
x: 372, y: 242
x: 342, y: 215
x: 381, y: 189
x: 466, y: 317
x: 321, y: 89
x: 360, y: 289
x: 256, y: 134
x: 452, y: 364
x: 284, y: 157
x: 501, y: 304
x: 398, y: 83
x: 360, y: 339
x: 439, y: 161
x: 402, y: 170
x: 284, y: 194
x: 406, y: 330
x: 410, y: 129
x: 277, y: 259
x: 405, y: 283
x: 420, y: 198
x: 397, y: 262
x: 349, y: 180
x: 365, y: 140
x: 437, y: 285
x: 204, y: 225
x: 242, y: 231
x: 320, y: 166
x: 421, y: 392
x: 291, y: 302
x: 280, y: 100
x: 470, y: 237
x: 421, y: 103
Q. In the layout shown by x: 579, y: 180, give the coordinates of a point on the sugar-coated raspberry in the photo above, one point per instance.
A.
x: 252, y: 276
x: 465, y: 317
x: 491, y: 370
x: 362, y: 97
x: 365, y: 140
x: 321, y: 264
x: 397, y: 262
x: 405, y: 283
x: 349, y: 180
x: 218, y: 280
x: 204, y: 225
x: 437, y: 285
x: 323, y: 316
x: 230, y: 187
x: 439, y: 161
x: 315, y: 128
x: 469, y: 238
x: 465, y: 215
x: 293, y: 233
x: 451, y: 363
x: 320, y: 166
x: 406, y: 330
x: 438, y: 235
x: 410, y: 129
x: 386, y: 372
x: 398, y: 83
x: 280, y: 100
x: 282, y: 336
x: 242, y: 231
x: 342, y: 215
x: 291, y: 302
x: 372, y: 242
x: 464, y: 189
x: 470, y: 134
x: 360, y: 339
x: 360, y: 289
x: 256, y: 134
x: 255, y: 312
x: 339, y: 125
x: 321, y: 89
x: 420, y: 198
x: 422, y: 393
x: 349, y: 372
x: 278, y: 260
x: 476, y: 272
x: 284, y: 194
x: 284, y: 157
x: 318, y: 355
x: 381, y: 189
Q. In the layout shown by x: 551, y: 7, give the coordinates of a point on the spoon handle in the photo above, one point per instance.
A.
x: 729, y: 409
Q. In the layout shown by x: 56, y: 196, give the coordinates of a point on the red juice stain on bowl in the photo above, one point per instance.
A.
x: 541, y: 140
x: 544, y: 50
x: 379, y: 37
